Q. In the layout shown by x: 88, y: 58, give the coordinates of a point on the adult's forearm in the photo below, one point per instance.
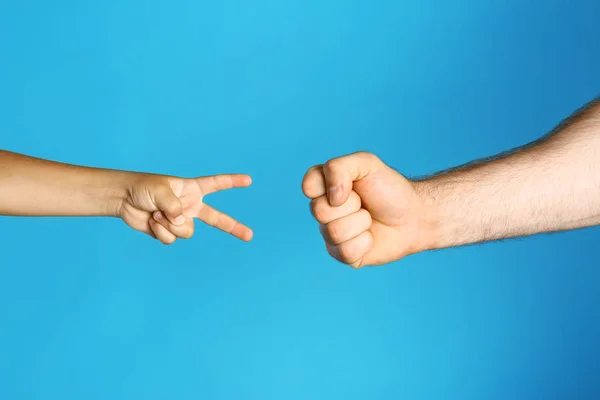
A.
x: 550, y: 186
x: 35, y: 187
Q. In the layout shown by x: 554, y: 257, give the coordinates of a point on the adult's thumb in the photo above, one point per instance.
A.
x: 341, y: 173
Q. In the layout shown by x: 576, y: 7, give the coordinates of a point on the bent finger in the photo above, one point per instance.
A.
x: 341, y: 173
x: 184, y: 231
x: 162, y: 233
x: 349, y: 227
x: 313, y: 183
x: 352, y: 251
x: 324, y: 213
x: 166, y: 201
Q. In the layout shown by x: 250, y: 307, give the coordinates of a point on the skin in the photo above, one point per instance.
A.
x: 163, y: 207
x: 370, y: 214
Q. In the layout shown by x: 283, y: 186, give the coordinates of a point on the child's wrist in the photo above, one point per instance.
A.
x: 115, y: 188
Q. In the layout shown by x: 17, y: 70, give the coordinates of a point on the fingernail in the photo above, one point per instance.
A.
x: 158, y: 215
x: 334, y: 193
x: 179, y: 220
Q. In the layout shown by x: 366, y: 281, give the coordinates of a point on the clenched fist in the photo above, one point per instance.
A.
x: 369, y: 214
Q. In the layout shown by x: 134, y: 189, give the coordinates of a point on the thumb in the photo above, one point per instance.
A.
x: 167, y: 202
x: 341, y: 172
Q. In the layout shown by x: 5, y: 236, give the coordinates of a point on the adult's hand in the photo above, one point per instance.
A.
x: 369, y: 214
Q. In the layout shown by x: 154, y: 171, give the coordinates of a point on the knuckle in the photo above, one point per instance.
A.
x: 347, y: 253
x: 214, y: 221
x: 368, y: 220
x: 168, y: 241
x: 367, y: 155
x: 306, y: 188
x: 173, y: 208
x: 333, y: 231
x: 332, y: 164
x: 369, y: 158
x: 158, y: 183
x: 374, y: 160
x: 333, y: 251
x: 231, y: 227
x: 319, y: 211
x: 222, y: 181
x: 188, y: 232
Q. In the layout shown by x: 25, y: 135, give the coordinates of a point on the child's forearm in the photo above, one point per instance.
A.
x: 161, y: 206
x: 34, y: 187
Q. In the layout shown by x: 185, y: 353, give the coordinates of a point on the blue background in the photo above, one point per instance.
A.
x: 90, y: 309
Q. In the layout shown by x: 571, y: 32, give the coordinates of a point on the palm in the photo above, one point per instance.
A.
x: 191, y: 195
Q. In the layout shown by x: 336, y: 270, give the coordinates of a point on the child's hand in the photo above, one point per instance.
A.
x: 164, y: 207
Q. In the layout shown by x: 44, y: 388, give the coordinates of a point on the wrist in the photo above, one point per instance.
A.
x: 452, y: 213
x: 432, y: 219
x: 115, y: 189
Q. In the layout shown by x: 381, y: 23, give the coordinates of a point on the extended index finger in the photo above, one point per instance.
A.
x: 216, y: 183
